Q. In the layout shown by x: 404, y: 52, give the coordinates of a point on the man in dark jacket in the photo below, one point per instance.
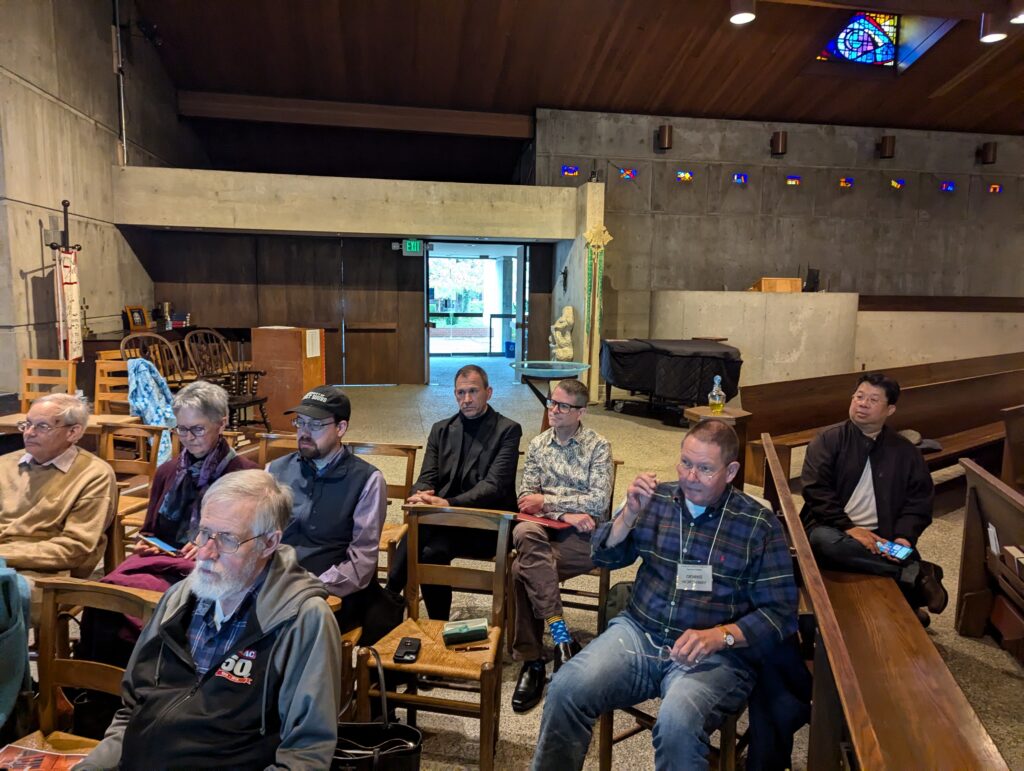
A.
x: 239, y: 667
x: 339, y: 504
x: 470, y: 461
x: 866, y: 487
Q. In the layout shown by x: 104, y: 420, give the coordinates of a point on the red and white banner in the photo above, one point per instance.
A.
x: 69, y: 308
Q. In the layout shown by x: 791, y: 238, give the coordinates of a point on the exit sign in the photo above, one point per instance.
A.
x: 412, y: 247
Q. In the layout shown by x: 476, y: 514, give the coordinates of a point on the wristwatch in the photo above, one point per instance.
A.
x: 730, y: 640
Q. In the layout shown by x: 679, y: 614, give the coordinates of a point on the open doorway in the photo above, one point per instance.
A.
x: 474, y: 305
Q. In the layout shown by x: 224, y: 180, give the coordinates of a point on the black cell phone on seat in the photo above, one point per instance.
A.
x: 408, y: 650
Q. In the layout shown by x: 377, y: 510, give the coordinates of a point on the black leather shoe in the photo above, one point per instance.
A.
x: 923, y: 617
x: 529, y: 686
x: 932, y: 591
x: 565, y: 651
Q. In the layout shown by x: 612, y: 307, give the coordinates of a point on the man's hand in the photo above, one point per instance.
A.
x: 638, y: 495
x: 583, y: 523
x: 866, y: 538
x: 902, y: 542
x: 532, y: 503
x: 694, y: 645
x: 420, y: 497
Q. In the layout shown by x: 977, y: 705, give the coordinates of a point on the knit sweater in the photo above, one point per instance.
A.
x: 51, y: 520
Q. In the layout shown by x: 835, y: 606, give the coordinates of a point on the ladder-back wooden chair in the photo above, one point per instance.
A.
x: 56, y: 667
x: 40, y: 377
x: 132, y: 451
x: 475, y: 664
x: 210, y: 357
x: 158, y: 351
x: 111, y: 393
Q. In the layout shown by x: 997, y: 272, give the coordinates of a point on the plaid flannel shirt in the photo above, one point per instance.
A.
x: 210, y: 646
x: 752, y: 571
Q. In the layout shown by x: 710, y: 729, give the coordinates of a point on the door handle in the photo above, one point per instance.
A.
x: 430, y: 325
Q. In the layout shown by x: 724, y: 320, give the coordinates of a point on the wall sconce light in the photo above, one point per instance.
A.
x: 593, y: 177
x: 628, y: 173
x: 995, y: 188
x: 664, y: 137
x: 778, y: 142
x: 743, y: 11
x: 949, y: 186
x: 992, y: 30
x: 987, y: 153
x: 1016, y: 11
x: 846, y: 183
x: 897, y: 184
x: 886, y: 146
x: 740, y: 178
x: 570, y: 171
x: 793, y: 181
x: 686, y: 177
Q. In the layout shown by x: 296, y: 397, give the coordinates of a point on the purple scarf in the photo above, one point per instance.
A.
x: 185, y: 493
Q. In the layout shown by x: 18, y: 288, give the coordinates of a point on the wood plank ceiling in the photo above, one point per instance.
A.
x: 662, y: 57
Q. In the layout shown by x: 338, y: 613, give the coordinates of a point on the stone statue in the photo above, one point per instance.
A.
x: 561, y: 336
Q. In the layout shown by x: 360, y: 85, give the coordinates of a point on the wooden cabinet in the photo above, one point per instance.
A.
x: 293, y: 358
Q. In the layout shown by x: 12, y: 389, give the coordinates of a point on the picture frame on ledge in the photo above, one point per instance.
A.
x: 138, y: 319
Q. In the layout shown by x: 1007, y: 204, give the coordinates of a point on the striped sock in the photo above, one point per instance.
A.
x: 559, y: 631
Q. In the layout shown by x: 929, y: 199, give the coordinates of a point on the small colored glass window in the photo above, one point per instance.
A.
x: 867, y: 38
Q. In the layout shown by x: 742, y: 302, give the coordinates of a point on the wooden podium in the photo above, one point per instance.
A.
x: 293, y: 358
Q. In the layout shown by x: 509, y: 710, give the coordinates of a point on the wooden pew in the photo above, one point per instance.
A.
x: 963, y: 414
x: 983, y: 575
x: 880, y: 687
x: 1013, y: 447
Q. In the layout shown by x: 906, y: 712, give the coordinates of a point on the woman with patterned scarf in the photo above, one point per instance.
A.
x: 175, y: 497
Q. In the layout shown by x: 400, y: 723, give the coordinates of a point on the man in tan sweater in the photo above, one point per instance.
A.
x: 56, y: 500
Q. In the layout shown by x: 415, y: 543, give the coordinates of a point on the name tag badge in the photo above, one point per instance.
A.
x: 693, y: 578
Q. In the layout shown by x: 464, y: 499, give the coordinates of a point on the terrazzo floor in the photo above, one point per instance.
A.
x: 992, y: 681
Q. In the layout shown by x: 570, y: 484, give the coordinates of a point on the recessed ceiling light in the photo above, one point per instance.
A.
x: 991, y: 30
x: 743, y: 11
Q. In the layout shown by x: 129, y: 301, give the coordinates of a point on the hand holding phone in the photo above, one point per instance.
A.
x: 162, y: 546
x: 895, y: 550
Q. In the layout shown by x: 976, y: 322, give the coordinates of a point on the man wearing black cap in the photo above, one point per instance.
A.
x: 340, y: 502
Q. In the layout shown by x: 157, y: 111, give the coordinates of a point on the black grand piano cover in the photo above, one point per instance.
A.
x: 680, y: 371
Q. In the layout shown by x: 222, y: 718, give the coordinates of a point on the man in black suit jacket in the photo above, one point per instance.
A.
x: 470, y: 461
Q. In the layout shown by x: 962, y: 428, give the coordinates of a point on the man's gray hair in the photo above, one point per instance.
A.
x: 208, y: 398
x: 272, y: 502
x: 74, y: 410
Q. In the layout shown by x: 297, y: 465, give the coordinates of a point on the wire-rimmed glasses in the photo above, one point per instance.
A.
x: 663, y: 656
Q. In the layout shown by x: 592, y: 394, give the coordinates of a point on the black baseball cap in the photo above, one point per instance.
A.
x: 324, y: 402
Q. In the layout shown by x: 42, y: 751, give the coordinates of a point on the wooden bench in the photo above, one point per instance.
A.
x: 883, y: 697
x: 964, y: 415
x: 1013, y: 447
x: 985, y: 577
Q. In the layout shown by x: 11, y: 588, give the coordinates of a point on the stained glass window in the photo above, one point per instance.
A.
x: 867, y: 38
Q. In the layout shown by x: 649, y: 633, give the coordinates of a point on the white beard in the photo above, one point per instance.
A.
x: 217, y: 586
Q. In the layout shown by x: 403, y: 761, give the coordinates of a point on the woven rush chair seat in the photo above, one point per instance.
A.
x: 436, y: 658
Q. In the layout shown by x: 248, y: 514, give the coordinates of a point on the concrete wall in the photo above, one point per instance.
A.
x: 713, y: 235
x: 887, y: 339
x: 58, y: 139
x: 781, y: 336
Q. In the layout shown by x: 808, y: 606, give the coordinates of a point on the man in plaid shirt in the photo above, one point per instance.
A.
x: 714, y: 590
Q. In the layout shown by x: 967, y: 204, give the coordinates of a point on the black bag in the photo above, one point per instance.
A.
x: 387, y: 746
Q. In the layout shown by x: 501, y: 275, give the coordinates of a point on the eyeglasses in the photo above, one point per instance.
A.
x: 664, y: 651
x: 40, y: 428
x: 874, y: 401
x: 561, y: 406
x: 226, y: 542
x: 313, y: 426
x: 197, y: 431
x: 705, y: 472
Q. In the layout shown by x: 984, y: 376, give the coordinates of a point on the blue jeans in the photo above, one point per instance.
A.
x: 604, y: 676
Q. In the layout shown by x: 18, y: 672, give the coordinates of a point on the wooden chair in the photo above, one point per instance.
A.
x: 233, y: 438
x: 111, y: 394
x: 143, y: 452
x: 112, y: 355
x: 157, y: 350
x: 39, y: 376
x: 56, y: 668
x: 210, y: 358
x: 1013, y: 447
x: 480, y: 665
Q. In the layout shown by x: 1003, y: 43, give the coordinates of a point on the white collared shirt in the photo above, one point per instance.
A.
x: 62, y: 462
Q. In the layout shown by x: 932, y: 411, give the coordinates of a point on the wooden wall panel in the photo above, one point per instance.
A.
x: 541, y: 314
x: 299, y: 281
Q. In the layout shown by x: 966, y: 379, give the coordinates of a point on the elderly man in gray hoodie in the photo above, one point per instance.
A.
x: 240, y: 665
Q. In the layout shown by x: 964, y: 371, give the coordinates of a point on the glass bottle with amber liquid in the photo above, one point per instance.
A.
x: 716, y: 399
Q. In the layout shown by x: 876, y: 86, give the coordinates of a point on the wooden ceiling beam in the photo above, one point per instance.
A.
x: 946, y: 9
x: 311, y: 112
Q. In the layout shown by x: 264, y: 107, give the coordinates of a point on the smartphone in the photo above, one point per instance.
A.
x: 893, y: 549
x: 408, y: 650
x: 161, y: 545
